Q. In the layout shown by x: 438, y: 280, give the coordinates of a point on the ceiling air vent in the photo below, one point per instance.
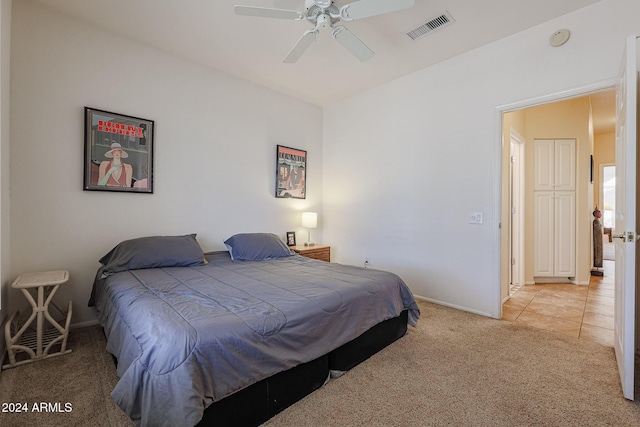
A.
x: 430, y: 26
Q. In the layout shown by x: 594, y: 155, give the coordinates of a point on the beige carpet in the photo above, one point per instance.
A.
x: 84, y: 378
x: 455, y: 369
x: 460, y: 369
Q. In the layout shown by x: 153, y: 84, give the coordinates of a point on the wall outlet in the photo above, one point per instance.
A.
x: 475, y: 218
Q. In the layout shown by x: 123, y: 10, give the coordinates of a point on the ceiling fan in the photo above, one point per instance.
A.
x: 325, y: 14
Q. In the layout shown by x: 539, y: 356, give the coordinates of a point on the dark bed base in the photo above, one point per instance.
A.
x: 257, y: 403
x: 375, y: 339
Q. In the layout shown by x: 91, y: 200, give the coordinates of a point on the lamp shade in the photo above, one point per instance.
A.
x: 309, y: 219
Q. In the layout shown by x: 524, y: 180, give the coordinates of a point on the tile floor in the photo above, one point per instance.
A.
x: 584, y: 312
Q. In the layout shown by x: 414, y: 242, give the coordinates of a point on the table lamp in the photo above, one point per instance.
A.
x: 309, y: 220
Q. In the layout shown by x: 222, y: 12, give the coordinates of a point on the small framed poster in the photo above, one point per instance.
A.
x: 291, y: 173
x: 118, y: 152
x: 291, y: 238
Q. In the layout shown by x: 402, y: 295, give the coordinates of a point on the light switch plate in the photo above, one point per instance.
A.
x: 475, y: 218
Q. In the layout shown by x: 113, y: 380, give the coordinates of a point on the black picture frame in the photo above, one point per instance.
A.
x: 591, y: 175
x: 291, y: 173
x: 109, y: 138
x: 291, y: 238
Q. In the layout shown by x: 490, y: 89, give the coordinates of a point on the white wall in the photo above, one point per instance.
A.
x: 215, y: 146
x: 5, y: 49
x: 406, y: 163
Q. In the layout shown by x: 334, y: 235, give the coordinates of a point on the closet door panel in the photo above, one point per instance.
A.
x: 565, y: 234
x: 544, y: 165
x: 565, y: 165
x: 544, y: 215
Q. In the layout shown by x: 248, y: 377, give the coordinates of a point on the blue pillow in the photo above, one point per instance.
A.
x: 256, y: 247
x: 153, y: 252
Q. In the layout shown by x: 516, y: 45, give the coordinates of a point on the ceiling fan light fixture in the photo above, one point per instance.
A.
x: 323, y: 21
x: 325, y: 14
x: 319, y: 3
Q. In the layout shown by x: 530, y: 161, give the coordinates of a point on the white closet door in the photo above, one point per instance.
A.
x: 565, y: 234
x: 554, y: 208
x: 544, y: 215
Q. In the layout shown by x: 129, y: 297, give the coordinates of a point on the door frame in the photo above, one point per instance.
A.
x: 517, y: 190
x: 503, y: 253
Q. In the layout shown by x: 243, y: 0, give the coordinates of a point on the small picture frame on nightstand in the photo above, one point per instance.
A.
x: 291, y: 238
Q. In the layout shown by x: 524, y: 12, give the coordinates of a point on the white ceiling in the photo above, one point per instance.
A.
x: 209, y: 32
x: 603, y: 109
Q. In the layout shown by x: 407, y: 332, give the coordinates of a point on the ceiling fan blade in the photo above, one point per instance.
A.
x: 301, y: 46
x: 353, y: 44
x: 366, y: 8
x: 264, y: 12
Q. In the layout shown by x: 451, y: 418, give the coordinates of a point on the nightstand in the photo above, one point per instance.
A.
x: 39, y: 289
x: 321, y: 252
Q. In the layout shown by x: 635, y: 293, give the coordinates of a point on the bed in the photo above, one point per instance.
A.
x: 234, y: 337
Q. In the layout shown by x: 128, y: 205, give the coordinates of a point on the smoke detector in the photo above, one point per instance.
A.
x: 559, y: 38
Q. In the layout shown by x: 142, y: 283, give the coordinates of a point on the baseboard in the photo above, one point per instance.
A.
x: 83, y: 324
x: 543, y: 280
x: 457, y: 307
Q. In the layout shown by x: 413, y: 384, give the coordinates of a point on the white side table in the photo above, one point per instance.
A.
x: 44, y: 285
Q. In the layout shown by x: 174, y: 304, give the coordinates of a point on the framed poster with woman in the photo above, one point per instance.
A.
x: 118, y: 152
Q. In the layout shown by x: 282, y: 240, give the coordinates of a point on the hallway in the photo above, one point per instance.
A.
x: 584, y: 312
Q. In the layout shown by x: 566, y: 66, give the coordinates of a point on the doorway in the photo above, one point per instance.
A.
x: 520, y: 120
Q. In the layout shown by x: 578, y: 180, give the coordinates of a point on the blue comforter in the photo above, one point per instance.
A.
x: 186, y: 337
